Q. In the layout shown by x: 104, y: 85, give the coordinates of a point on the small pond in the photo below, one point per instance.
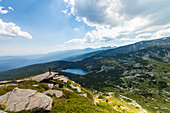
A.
x: 76, y: 71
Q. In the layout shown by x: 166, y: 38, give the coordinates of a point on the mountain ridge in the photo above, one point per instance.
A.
x: 142, y: 75
x: 11, y: 62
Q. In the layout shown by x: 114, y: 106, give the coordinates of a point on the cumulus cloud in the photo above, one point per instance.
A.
x: 116, y: 20
x: 10, y: 30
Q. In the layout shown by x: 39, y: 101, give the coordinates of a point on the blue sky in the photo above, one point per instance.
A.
x: 42, y: 26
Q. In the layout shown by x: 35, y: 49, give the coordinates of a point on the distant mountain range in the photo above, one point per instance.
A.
x: 11, y: 62
x: 139, y: 71
x: 58, y: 64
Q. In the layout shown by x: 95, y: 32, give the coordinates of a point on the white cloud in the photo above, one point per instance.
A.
x: 2, y: 11
x: 10, y: 8
x: 64, y: 11
x: 144, y: 36
x: 162, y: 33
x: 115, y: 20
x: 149, y: 36
x: 76, y: 29
x: 10, y: 30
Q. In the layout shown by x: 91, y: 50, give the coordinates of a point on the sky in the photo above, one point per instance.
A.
x: 43, y: 26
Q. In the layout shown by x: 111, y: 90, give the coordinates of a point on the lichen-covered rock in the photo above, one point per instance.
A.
x: 26, y: 99
x: 57, y: 93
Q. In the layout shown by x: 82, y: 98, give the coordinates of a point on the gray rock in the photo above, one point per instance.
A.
x: 67, y: 89
x: 39, y: 101
x: 61, y: 78
x: 56, y: 85
x: 4, y: 98
x: 26, y: 99
x: 35, y: 85
x: 51, y: 86
x: 85, y: 95
x: 75, y: 87
x: 19, y: 98
x: 43, y: 76
x: 57, y: 93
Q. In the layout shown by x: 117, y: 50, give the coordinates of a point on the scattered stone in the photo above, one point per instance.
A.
x: 57, y: 93
x: 56, y: 85
x: 85, y: 95
x: 35, y: 85
x: 67, y: 89
x: 51, y: 86
x: 75, y: 87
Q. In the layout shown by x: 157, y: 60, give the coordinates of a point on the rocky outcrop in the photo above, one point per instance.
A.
x: 26, y: 99
x: 44, y: 76
x: 57, y: 93
x: 61, y: 78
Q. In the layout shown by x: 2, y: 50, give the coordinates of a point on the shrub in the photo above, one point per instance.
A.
x: 43, y: 86
x: 100, y: 97
x: 48, y: 94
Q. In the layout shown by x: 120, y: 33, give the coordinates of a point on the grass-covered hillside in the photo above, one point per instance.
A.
x: 142, y: 75
x: 72, y: 100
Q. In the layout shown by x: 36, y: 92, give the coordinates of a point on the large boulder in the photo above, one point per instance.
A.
x: 39, y: 101
x: 26, y: 99
x: 57, y: 93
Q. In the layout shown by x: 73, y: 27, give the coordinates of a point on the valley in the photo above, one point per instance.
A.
x: 140, y: 76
